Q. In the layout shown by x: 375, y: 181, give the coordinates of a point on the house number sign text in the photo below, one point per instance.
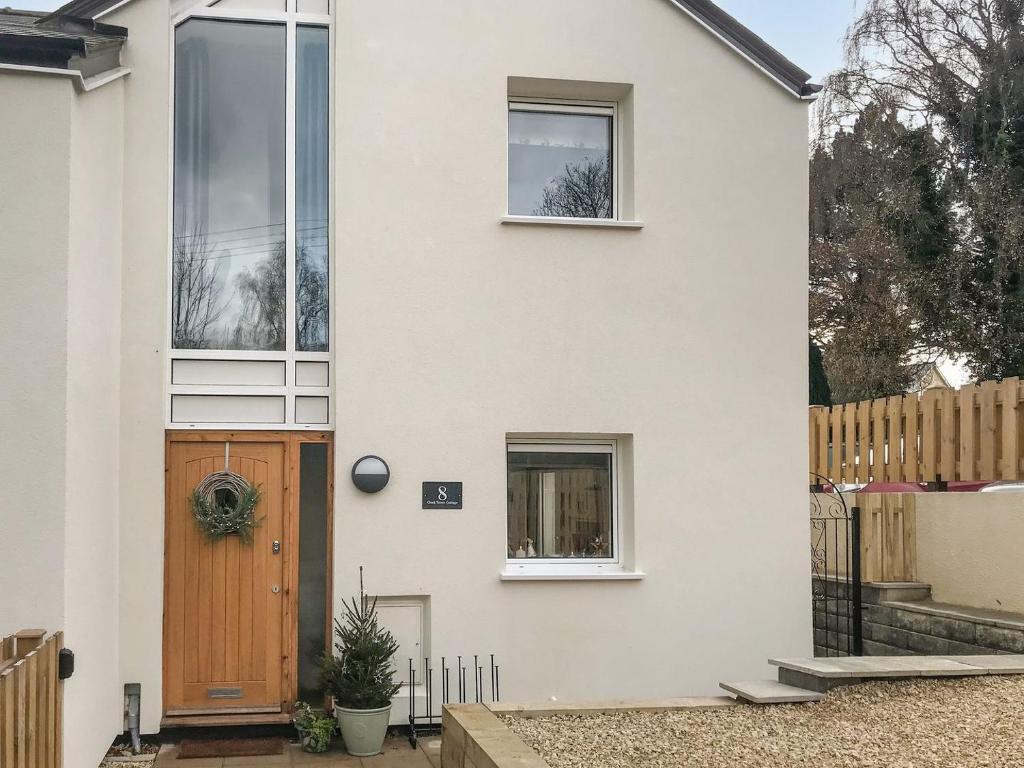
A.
x: 442, y: 495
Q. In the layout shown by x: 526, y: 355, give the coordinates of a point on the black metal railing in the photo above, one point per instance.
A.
x: 429, y: 721
x: 835, y: 574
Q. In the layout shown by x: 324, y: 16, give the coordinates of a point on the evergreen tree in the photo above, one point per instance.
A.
x: 820, y: 393
x: 361, y: 675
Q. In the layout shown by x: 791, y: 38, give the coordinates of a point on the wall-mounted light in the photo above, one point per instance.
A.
x: 370, y: 474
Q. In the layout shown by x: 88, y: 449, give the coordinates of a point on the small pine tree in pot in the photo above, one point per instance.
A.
x: 360, y: 676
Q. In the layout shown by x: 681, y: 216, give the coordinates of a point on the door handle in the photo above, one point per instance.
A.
x: 276, y: 548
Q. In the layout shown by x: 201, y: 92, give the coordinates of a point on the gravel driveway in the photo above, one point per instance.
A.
x: 907, y: 724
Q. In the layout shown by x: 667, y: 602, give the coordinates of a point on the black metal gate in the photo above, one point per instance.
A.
x: 835, y: 574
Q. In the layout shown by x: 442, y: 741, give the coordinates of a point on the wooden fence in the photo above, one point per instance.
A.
x: 974, y: 433
x: 888, y: 536
x: 31, y: 698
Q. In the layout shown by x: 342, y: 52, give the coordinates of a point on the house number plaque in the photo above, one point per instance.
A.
x: 442, y: 495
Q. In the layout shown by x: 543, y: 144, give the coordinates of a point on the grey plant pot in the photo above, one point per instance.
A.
x: 363, y: 730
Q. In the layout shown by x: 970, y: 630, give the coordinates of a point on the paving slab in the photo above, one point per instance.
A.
x: 997, y: 664
x: 817, y: 667
x: 771, y: 692
x: 880, y: 666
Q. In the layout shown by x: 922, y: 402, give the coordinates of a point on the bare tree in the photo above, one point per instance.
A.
x: 584, y: 190
x: 957, y: 68
x: 262, y: 290
x: 196, y: 286
x: 311, y: 302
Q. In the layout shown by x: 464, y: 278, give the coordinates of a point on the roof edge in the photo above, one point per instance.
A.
x: 750, y: 46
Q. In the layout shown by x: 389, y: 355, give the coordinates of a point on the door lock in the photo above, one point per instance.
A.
x: 275, y: 589
x: 277, y: 547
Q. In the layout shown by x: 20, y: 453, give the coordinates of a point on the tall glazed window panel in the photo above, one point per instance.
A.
x: 312, y: 263
x: 229, y: 270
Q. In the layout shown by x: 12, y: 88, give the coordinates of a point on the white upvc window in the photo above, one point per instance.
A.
x: 563, y: 160
x: 563, y: 509
x: 249, y: 315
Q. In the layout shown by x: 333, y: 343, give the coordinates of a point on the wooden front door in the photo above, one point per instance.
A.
x: 224, y: 610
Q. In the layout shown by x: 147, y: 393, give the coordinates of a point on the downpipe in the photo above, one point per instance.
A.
x: 132, y: 707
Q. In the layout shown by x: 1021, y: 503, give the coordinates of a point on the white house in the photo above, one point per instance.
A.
x: 526, y: 251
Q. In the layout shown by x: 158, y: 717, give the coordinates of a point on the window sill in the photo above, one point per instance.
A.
x: 569, y: 573
x: 555, y: 221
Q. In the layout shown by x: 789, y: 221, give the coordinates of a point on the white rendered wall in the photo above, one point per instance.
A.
x: 60, y: 216
x: 143, y: 329
x: 93, y: 699
x: 689, y: 335
x: 968, y: 548
x: 453, y: 330
x: 34, y: 204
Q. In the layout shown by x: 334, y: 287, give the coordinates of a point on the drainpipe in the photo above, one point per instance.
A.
x: 132, y: 705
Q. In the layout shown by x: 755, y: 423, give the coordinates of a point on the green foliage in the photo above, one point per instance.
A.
x: 820, y: 394
x: 316, y: 727
x: 880, y: 224
x: 233, y: 516
x: 360, y: 675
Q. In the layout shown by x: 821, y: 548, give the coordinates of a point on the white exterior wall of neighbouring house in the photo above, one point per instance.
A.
x: 60, y: 356
x: 33, y: 364
x: 454, y: 330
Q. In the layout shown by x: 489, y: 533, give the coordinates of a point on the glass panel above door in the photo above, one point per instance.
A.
x: 228, y: 283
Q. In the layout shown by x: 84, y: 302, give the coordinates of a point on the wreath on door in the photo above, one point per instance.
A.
x: 223, y: 505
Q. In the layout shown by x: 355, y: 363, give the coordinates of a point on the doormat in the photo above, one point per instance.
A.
x: 190, y: 748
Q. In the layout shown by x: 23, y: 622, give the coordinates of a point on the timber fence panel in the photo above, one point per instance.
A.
x: 30, y: 700
x: 888, y: 542
x: 974, y: 434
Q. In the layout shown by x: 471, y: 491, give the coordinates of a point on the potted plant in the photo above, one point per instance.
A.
x: 360, y: 676
x: 315, y: 728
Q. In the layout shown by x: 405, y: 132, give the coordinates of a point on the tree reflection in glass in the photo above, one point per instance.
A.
x: 228, y: 283
x: 312, y: 291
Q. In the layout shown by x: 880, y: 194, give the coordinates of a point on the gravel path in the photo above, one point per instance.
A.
x: 964, y: 723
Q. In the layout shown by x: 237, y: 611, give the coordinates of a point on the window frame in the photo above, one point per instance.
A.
x: 603, y: 446
x: 291, y: 19
x: 608, y: 109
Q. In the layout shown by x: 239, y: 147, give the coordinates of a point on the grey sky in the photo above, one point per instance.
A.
x: 809, y: 32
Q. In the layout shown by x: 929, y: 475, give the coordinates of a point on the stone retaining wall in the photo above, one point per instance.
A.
x: 900, y: 619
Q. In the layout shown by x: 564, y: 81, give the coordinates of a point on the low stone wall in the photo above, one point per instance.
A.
x: 472, y: 737
x: 900, y: 620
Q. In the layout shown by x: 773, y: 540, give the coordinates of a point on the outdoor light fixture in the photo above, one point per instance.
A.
x: 370, y: 474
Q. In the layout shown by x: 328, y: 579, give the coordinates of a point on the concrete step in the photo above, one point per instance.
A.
x: 771, y: 692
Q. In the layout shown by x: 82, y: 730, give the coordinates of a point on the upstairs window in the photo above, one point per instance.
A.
x: 250, y: 249
x: 561, y: 161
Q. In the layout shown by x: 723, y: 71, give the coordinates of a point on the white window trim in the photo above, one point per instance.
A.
x: 565, y: 569
x: 291, y: 19
x: 571, y: 107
